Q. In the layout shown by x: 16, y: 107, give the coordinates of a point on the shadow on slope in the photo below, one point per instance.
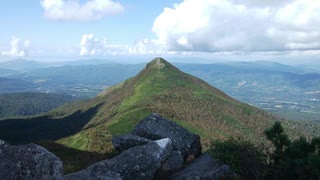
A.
x: 74, y: 159
x: 19, y: 131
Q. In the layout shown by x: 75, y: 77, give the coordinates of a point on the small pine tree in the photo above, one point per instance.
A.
x: 280, y: 141
x: 298, y: 159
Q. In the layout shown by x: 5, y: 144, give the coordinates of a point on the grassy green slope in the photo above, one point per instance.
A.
x: 189, y: 101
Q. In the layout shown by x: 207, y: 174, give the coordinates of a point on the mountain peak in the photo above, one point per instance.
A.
x: 159, y: 60
x: 158, y: 63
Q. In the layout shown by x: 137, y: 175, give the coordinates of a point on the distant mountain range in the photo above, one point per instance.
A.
x: 24, y: 64
x: 21, y: 64
x: 8, y: 85
x: 30, y: 103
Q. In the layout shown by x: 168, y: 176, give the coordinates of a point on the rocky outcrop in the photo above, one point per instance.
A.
x: 127, y: 141
x: 140, y: 162
x: 157, y: 149
x: 204, y: 168
x: 156, y: 127
x: 28, y: 162
x: 185, y: 146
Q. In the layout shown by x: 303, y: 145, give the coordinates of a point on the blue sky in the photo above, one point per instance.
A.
x: 218, y: 29
x: 24, y: 19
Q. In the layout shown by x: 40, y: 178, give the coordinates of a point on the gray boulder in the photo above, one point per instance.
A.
x: 155, y: 127
x: 204, y: 168
x: 29, y: 161
x: 140, y: 162
x: 127, y: 141
x: 174, y: 163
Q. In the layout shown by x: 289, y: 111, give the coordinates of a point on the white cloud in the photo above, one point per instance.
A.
x: 90, y: 45
x: 234, y: 25
x: 18, y: 48
x: 72, y: 10
x: 146, y: 47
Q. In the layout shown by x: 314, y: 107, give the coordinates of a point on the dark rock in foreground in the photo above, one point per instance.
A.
x: 127, y: 141
x: 140, y: 162
x: 155, y: 127
x: 140, y: 158
x: 204, y: 168
x: 28, y: 162
x: 174, y: 163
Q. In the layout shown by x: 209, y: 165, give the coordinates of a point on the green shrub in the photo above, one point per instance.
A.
x: 242, y: 156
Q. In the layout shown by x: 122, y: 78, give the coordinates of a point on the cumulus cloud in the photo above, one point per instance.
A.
x: 72, y: 10
x: 234, y: 25
x: 90, y: 45
x: 146, y: 47
x: 18, y: 48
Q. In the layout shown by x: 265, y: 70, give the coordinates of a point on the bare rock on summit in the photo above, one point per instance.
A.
x: 27, y: 162
x: 155, y: 127
x: 140, y: 162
